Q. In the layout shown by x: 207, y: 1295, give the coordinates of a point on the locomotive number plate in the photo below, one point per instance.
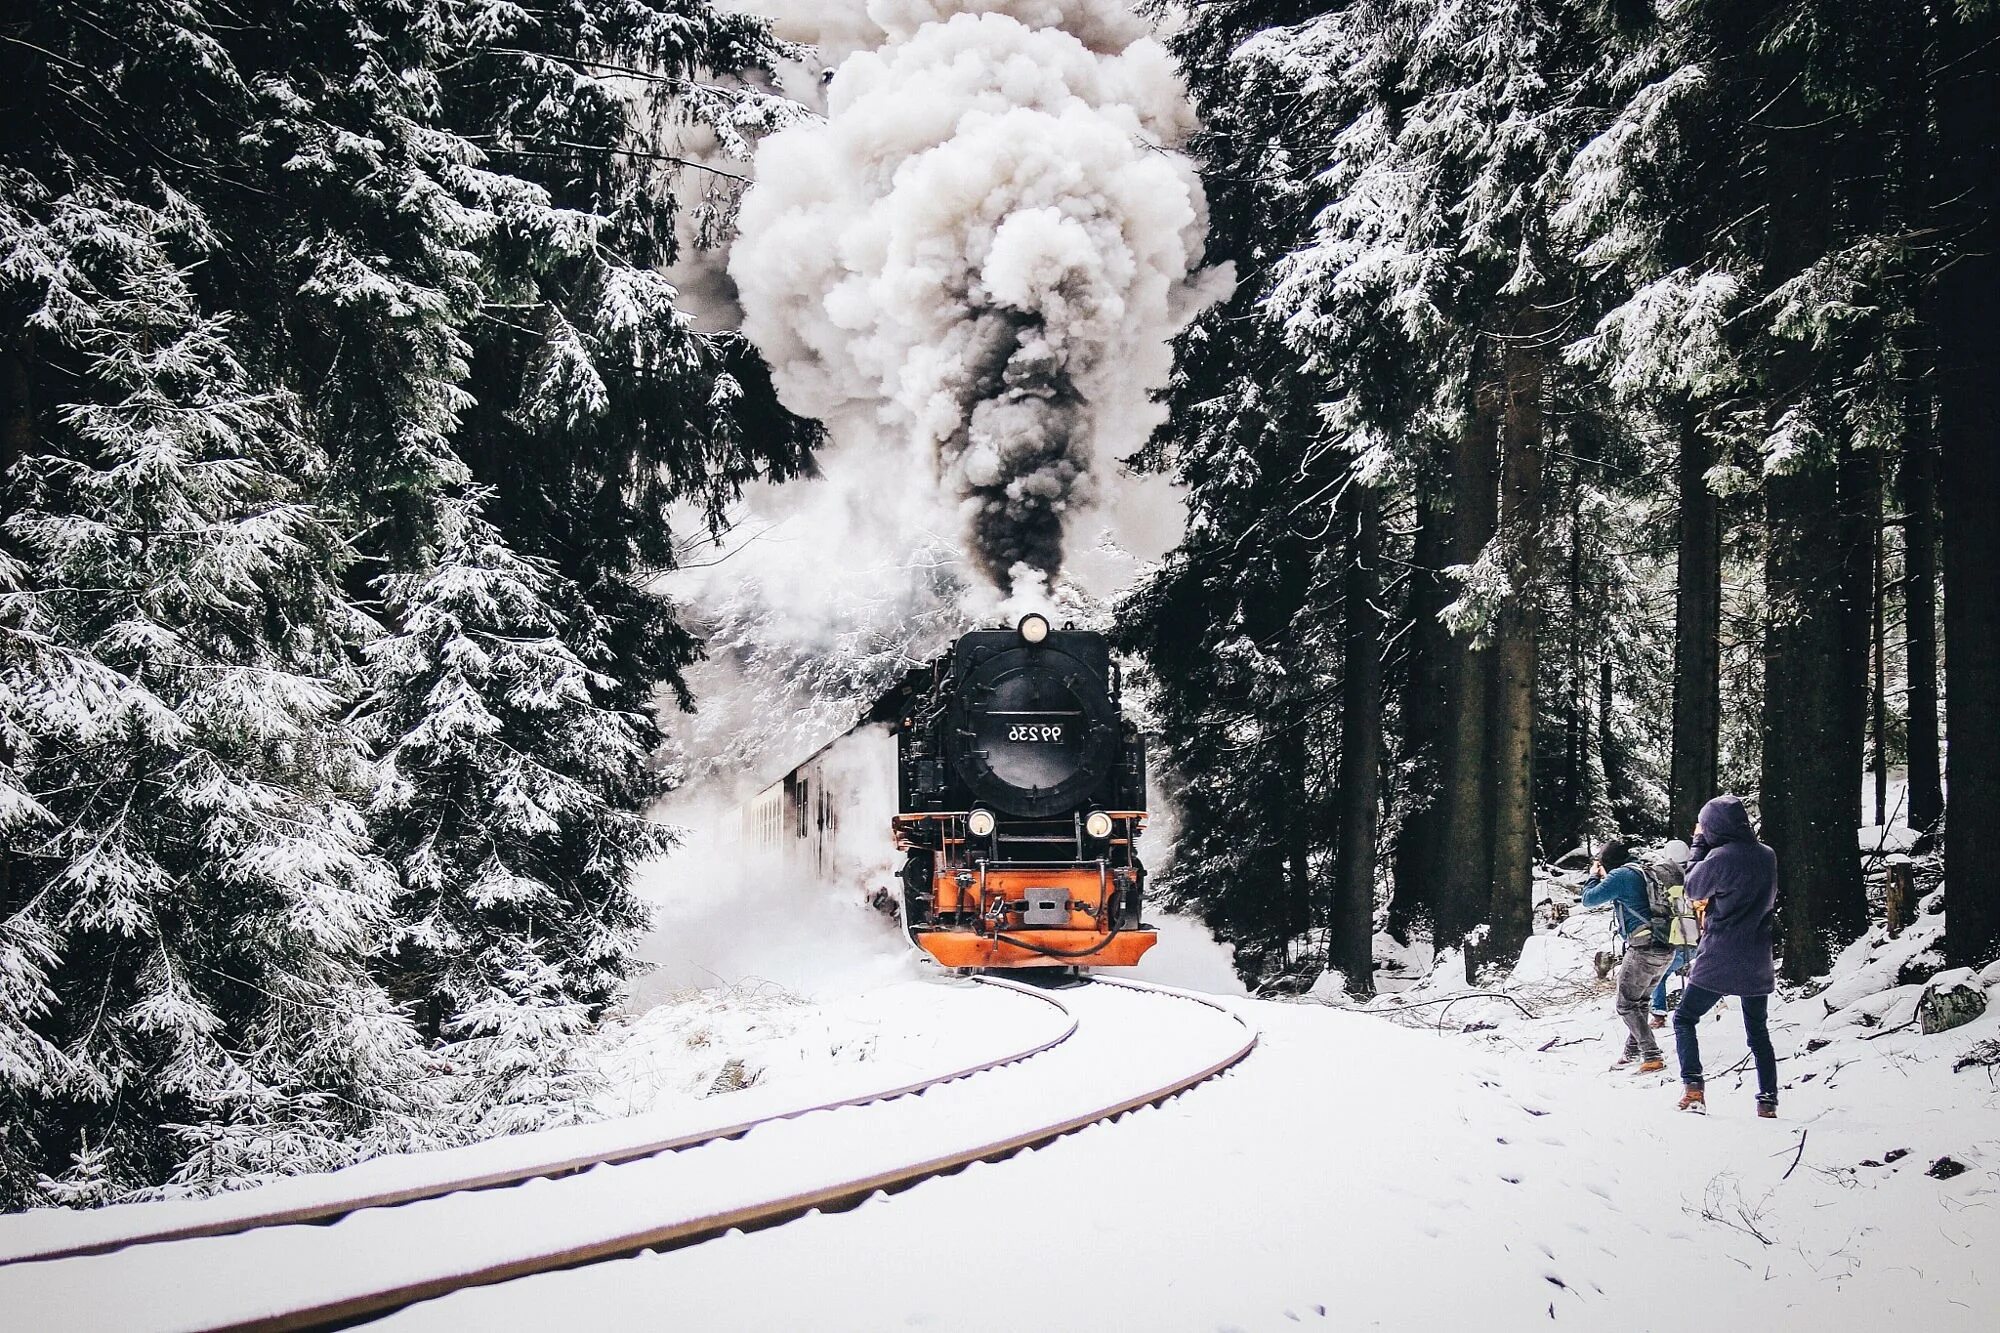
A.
x: 1042, y: 732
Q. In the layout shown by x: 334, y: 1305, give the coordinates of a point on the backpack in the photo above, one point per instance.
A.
x: 1670, y: 919
x: 1684, y: 927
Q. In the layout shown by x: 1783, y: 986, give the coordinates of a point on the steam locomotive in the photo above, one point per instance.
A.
x: 1022, y: 794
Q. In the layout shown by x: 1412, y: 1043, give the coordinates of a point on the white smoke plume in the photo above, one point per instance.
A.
x: 981, y: 254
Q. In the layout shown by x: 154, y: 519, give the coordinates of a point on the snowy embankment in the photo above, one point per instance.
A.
x: 705, y: 1064
x: 1128, y: 1044
x: 1422, y: 1165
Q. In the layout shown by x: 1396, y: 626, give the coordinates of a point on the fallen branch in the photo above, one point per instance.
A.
x: 1795, y: 1160
x: 1886, y: 1031
x: 1449, y: 1000
x: 1556, y: 1043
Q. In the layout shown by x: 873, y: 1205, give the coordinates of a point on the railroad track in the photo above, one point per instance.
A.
x: 387, y: 1182
x: 1123, y: 1045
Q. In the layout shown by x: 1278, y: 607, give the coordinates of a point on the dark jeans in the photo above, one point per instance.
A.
x: 1697, y: 1001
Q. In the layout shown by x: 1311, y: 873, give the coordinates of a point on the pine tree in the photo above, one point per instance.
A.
x: 365, y: 222
x: 509, y: 785
x: 195, y: 900
x: 605, y: 423
x: 1240, y: 669
x: 521, y: 1054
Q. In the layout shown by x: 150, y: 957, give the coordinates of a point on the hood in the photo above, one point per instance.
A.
x: 1725, y: 820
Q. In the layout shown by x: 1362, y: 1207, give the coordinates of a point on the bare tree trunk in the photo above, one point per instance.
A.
x: 17, y: 406
x: 1860, y: 536
x: 1465, y: 881
x: 1353, y: 916
x: 1811, y: 740
x: 1878, y: 646
x: 1969, y: 453
x: 1417, y: 865
x: 1607, y: 743
x: 1294, y: 916
x: 1516, y: 654
x: 1576, y: 743
x: 1921, y: 615
x: 17, y: 437
x: 1920, y: 665
x: 1696, y: 767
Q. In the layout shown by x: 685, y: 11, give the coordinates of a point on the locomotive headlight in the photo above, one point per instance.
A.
x: 1097, y: 824
x: 1033, y: 628
x: 979, y: 823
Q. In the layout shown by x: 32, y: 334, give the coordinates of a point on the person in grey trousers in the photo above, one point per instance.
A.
x: 1614, y: 880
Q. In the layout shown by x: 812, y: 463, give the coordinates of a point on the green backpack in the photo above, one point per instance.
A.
x: 1670, y: 918
x: 1683, y: 926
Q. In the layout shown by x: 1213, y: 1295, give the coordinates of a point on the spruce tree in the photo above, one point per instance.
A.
x: 195, y: 889
x: 1240, y: 674
x: 604, y: 422
x: 509, y: 789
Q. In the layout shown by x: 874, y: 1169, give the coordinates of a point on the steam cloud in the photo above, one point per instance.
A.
x: 983, y: 251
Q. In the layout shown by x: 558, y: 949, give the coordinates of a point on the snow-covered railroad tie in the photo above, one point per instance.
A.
x: 1128, y: 1046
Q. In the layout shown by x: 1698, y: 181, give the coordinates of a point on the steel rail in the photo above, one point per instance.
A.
x: 332, y: 1210
x: 345, y: 1312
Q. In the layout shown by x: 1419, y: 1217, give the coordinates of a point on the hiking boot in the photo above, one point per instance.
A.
x: 1652, y: 1064
x: 1767, y: 1110
x: 1693, y: 1098
x: 1622, y: 1062
x: 1659, y: 1021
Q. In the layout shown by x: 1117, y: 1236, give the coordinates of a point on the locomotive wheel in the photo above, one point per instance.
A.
x: 916, y: 910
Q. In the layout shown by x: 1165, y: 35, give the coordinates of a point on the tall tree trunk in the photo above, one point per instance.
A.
x: 1917, y: 203
x: 1860, y: 536
x: 17, y: 406
x: 1969, y: 455
x: 1576, y: 744
x: 1465, y: 879
x: 1920, y: 666
x: 1696, y: 768
x: 1353, y: 917
x: 1607, y: 743
x: 1878, y: 696
x: 1812, y: 731
x: 1417, y: 865
x: 1294, y: 915
x: 1516, y: 656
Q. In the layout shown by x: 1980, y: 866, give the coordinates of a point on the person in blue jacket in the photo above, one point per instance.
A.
x: 1614, y: 880
x: 1737, y: 876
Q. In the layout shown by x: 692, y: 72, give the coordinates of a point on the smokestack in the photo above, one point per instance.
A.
x: 981, y: 254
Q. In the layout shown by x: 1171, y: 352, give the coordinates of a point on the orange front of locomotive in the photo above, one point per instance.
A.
x: 1073, y: 913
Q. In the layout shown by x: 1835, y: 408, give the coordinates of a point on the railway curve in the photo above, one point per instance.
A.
x: 1126, y: 1045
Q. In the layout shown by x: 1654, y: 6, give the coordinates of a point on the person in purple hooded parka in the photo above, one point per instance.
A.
x: 1737, y: 877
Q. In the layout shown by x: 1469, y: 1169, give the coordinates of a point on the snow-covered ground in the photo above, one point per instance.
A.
x: 1414, y: 1165
x: 1424, y: 1161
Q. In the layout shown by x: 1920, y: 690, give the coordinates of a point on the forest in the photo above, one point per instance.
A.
x: 1602, y: 417
x: 344, y: 403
